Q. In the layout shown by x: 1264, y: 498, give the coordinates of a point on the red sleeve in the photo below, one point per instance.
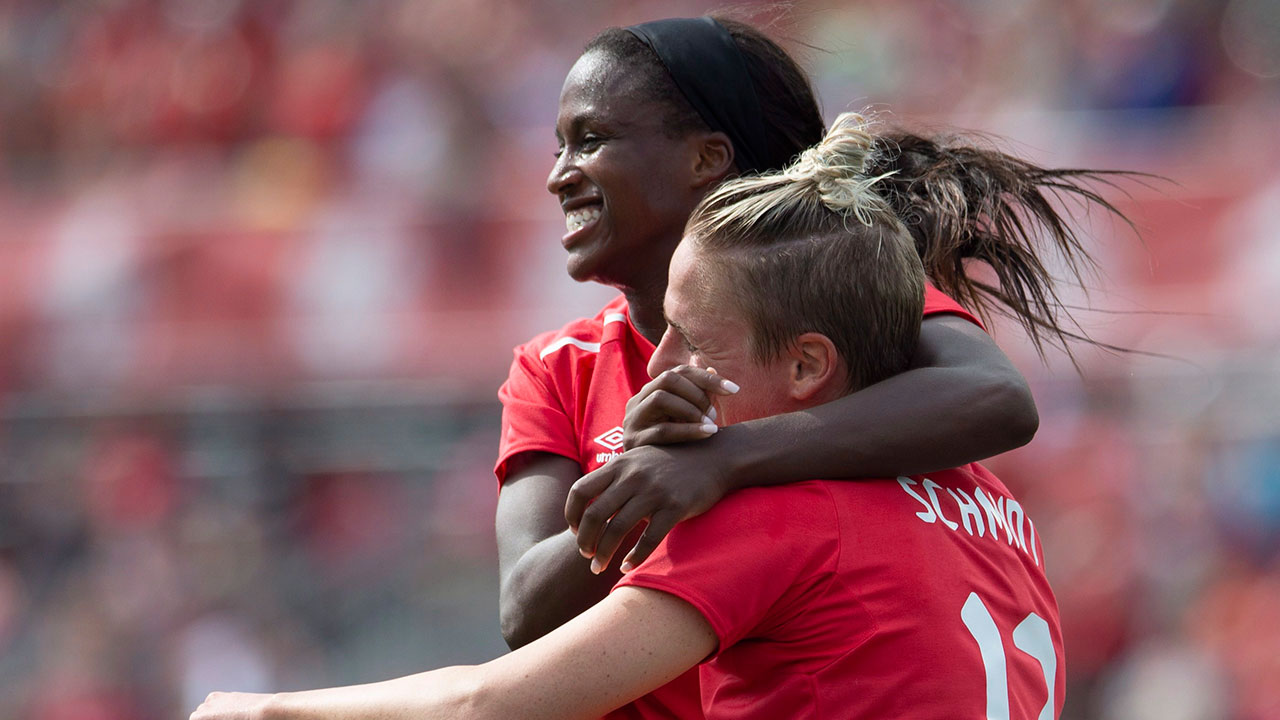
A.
x: 938, y: 303
x: 533, y: 414
x: 747, y: 560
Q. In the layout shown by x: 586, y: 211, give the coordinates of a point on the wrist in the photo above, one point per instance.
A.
x: 763, y: 452
x: 275, y: 707
x: 735, y: 455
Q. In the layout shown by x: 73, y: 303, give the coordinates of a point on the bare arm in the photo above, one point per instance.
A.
x: 545, y: 581
x: 961, y: 401
x: 633, y: 642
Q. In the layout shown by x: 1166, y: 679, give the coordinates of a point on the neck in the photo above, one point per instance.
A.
x: 645, y: 308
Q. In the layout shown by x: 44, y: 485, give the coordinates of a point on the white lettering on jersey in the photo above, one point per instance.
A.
x: 1001, y: 513
x: 927, y: 515
x: 968, y: 509
x: 929, y: 487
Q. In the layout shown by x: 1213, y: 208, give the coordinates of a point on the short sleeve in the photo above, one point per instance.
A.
x: 533, y: 415
x: 937, y: 302
x: 748, y: 561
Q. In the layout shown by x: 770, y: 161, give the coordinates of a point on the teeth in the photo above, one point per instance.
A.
x: 575, y: 219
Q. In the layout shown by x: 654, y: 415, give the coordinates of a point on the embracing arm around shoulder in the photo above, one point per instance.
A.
x: 961, y: 401
x: 634, y: 641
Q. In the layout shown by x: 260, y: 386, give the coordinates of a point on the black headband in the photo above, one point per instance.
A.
x: 707, y: 66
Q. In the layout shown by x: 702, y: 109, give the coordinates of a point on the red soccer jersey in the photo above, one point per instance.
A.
x: 567, y: 391
x: 567, y: 394
x: 918, y: 598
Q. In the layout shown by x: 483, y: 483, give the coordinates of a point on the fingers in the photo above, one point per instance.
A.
x: 659, y: 525
x: 594, y: 519
x: 670, y: 405
x: 674, y: 407
x: 615, y: 531
x: 694, y: 384
x: 671, y: 433
x: 581, y: 495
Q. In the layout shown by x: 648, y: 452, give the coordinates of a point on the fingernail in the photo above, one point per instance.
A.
x: 596, y: 566
x: 729, y: 386
x: 584, y: 553
x: 626, y: 566
x: 711, y: 413
x: 709, y: 428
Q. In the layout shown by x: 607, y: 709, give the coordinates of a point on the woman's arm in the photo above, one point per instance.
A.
x: 545, y: 581
x: 961, y: 401
x: 634, y: 641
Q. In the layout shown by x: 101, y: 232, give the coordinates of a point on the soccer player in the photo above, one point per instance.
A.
x: 919, y: 597
x: 652, y: 118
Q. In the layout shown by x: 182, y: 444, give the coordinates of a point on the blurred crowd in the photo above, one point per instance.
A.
x: 262, y: 265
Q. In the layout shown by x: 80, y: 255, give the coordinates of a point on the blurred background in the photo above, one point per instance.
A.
x: 262, y: 266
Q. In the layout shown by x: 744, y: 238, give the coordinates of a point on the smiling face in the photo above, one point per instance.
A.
x: 707, y: 328
x: 625, y: 186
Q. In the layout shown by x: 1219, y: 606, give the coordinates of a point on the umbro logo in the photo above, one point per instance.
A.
x: 611, y: 438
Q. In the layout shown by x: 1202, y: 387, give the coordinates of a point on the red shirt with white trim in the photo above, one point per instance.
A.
x: 567, y: 393
x: 921, y: 597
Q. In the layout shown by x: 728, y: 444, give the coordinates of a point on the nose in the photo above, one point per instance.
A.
x: 563, y: 174
x: 669, y: 353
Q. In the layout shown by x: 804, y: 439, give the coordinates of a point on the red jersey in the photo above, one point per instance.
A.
x: 567, y: 391
x: 567, y: 394
x: 923, y: 598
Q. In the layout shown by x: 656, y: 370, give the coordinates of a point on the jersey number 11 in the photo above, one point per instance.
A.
x: 1031, y: 636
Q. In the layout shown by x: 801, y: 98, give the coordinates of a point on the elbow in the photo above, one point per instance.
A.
x: 1013, y: 410
x: 514, y: 631
x: 518, y: 627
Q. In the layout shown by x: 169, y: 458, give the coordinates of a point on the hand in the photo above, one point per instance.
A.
x: 232, y: 706
x: 663, y: 484
x: 674, y: 407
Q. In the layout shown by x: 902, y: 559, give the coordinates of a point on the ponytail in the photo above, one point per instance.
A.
x: 962, y: 203
x: 840, y: 240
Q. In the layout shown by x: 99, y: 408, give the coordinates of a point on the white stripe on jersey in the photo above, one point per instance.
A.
x: 565, y: 341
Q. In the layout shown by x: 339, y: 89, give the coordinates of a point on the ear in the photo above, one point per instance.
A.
x: 816, y: 370
x: 714, y: 158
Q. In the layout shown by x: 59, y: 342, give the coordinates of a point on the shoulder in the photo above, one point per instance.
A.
x: 938, y: 303
x: 575, y: 339
x: 780, y: 515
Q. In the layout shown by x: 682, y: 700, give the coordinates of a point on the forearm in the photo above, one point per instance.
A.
x: 919, y: 421
x: 551, y: 584
x: 633, y: 642
x: 621, y: 649
x: 452, y: 692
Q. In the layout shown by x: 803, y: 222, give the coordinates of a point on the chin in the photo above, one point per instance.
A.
x: 580, y: 269
x: 588, y: 268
